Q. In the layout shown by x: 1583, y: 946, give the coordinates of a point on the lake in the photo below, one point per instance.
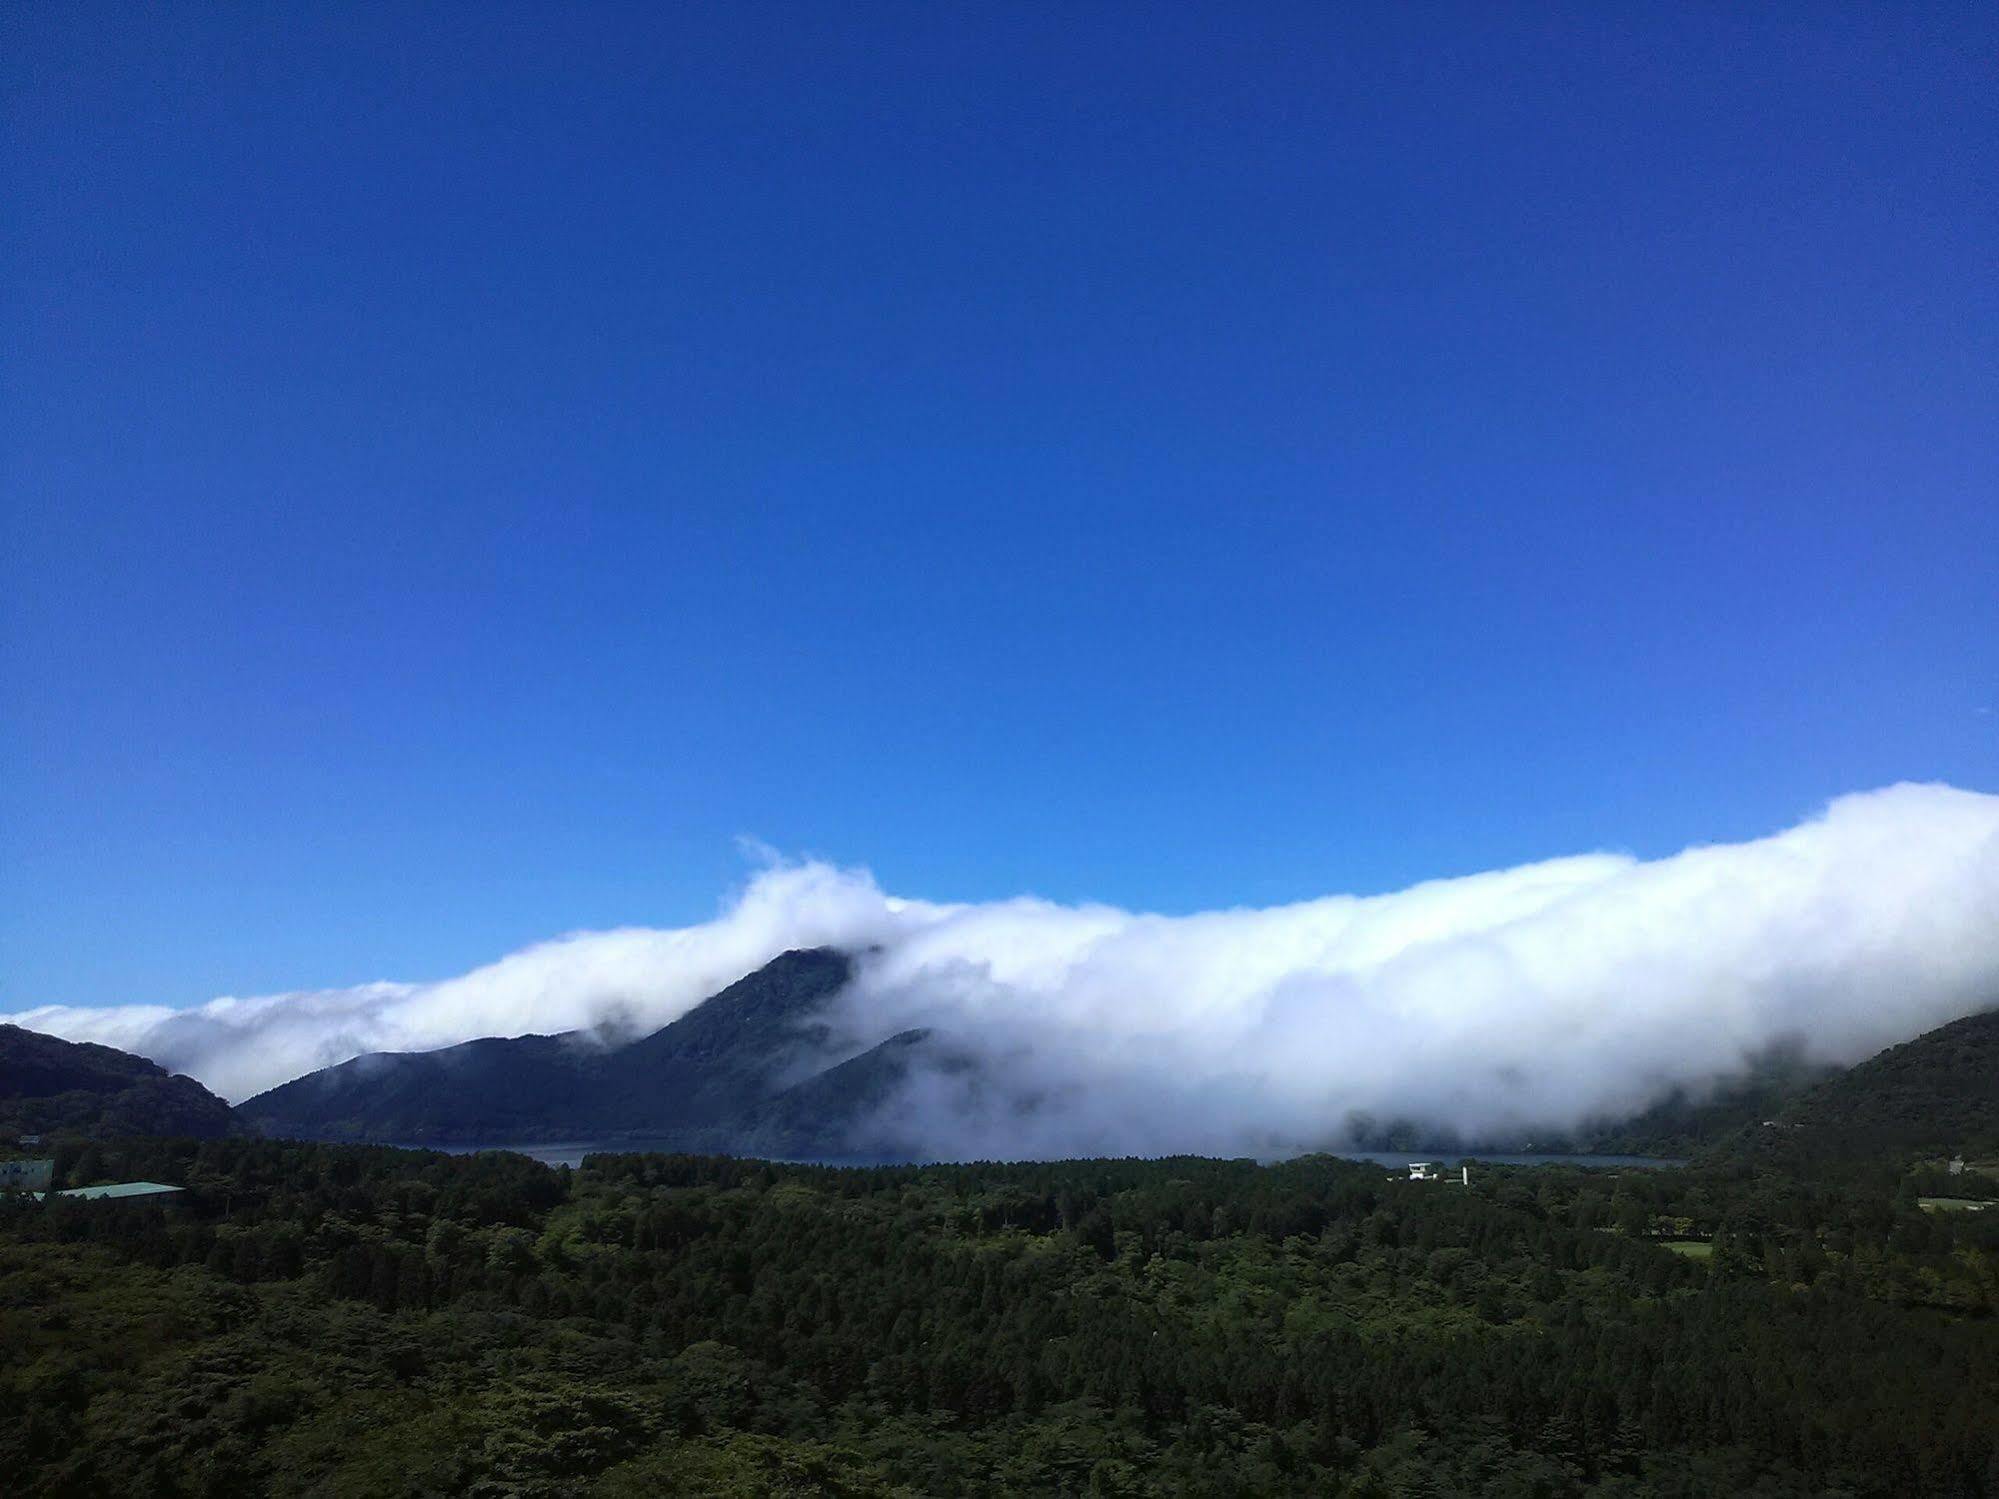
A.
x: 572, y: 1154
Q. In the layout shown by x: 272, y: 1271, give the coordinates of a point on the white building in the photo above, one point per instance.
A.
x: 25, y: 1176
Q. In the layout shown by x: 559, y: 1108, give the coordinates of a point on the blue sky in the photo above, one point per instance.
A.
x: 465, y: 466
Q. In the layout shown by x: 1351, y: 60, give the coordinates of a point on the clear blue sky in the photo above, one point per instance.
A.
x: 464, y: 465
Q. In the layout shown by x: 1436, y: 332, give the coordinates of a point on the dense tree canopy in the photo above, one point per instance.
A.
x: 357, y: 1320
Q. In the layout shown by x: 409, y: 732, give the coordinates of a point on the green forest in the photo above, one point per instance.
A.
x: 357, y: 1320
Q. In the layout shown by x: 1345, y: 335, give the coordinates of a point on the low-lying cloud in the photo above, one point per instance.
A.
x: 1527, y: 998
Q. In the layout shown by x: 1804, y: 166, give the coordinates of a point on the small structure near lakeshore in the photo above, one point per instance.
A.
x: 1426, y: 1171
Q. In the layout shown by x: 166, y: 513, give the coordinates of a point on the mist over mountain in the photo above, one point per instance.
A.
x: 695, y: 1081
x: 1936, y: 1095
x: 1539, y: 998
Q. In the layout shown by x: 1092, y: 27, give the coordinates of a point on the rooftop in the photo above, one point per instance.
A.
x: 120, y: 1189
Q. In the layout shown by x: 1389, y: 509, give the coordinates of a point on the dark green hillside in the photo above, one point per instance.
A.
x: 52, y: 1086
x: 1934, y: 1096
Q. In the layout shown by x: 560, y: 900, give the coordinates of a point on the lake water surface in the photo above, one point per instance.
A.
x: 572, y: 1154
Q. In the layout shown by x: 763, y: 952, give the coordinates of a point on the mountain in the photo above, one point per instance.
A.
x: 700, y: 1081
x: 1937, y: 1095
x: 744, y: 1073
x: 490, y: 1089
x: 52, y: 1086
x: 1682, y: 1124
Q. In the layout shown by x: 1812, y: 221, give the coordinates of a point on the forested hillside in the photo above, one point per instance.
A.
x: 1935, y: 1096
x: 48, y: 1086
x: 1687, y: 1122
x: 356, y: 1320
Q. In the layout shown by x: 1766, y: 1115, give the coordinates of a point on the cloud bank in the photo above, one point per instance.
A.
x: 1533, y: 997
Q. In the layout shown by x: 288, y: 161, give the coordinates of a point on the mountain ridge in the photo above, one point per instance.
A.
x: 52, y: 1086
x: 748, y: 1071
x: 693, y: 1077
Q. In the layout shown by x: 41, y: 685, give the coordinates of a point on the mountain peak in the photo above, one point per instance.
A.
x: 767, y: 1010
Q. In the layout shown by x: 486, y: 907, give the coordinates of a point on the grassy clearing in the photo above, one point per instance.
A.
x: 1693, y: 1249
x: 1951, y: 1204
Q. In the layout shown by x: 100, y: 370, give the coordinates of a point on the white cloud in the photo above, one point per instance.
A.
x: 1533, y: 996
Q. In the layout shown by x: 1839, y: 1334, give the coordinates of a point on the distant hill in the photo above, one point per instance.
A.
x: 52, y: 1086
x: 1937, y: 1095
x: 1686, y: 1123
x: 712, y: 1080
